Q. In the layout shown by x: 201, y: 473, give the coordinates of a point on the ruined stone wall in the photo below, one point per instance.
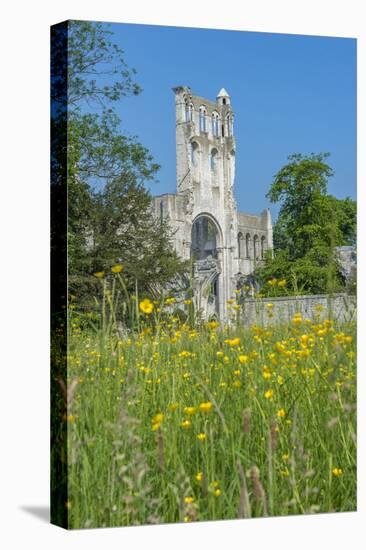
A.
x: 339, y: 307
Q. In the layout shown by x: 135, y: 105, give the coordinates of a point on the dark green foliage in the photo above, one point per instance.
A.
x: 310, y: 225
x: 109, y: 209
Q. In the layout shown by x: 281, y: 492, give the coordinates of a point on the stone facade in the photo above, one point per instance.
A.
x: 224, y: 243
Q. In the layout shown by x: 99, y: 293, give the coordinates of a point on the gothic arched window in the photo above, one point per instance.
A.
x: 215, y: 124
x: 194, y: 151
x: 240, y: 245
x: 247, y: 245
x: 213, y: 160
x: 186, y: 110
x: 190, y: 112
x: 263, y: 239
x: 255, y: 247
x: 202, y: 119
x: 228, y: 126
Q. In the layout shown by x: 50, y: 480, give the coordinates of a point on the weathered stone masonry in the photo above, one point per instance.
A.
x: 226, y: 244
x: 339, y: 307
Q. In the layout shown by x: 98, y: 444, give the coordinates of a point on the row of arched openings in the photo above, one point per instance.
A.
x: 218, y: 127
x: 245, y: 248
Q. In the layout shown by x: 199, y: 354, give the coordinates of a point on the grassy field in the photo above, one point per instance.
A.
x: 174, y: 424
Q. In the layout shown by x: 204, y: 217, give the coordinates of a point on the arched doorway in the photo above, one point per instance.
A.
x: 205, y: 241
x: 204, y: 238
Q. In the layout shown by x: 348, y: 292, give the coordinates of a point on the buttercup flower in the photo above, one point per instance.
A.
x: 205, y: 407
x: 156, y: 421
x: 117, y: 268
x: 232, y: 342
x: 189, y: 410
x: 268, y: 394
x: 146, y: 306
x: 186, y: 424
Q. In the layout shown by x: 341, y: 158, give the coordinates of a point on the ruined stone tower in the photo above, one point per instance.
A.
x: 225, y: 244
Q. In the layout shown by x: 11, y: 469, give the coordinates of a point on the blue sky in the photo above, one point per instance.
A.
x: 290, y: 94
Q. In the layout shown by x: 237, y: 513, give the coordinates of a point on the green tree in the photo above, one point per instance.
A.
x: 109, y: 209
x: 311, y: 223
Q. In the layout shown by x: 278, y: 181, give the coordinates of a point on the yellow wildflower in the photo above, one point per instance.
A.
x: 156, y: 421
x: 281, y: 413
x: 185, y: 353
x: 337, y: 472
x: 188, y: 500
x: 186, y: 424
x: 297, y: 319
x: 205, y: 407
x: 117, y: 268
x: 187, y: 302
x: 190, y: 410
x: 217, y: 492
x: 282, y: 283
x: 268, y: 394
x: 232, y: 342
x: 267, y: 373
x: 99, y: 274
x: 201, y: 436
x: 199, y: 476
x: 243, y: 359
x: 146, y: 306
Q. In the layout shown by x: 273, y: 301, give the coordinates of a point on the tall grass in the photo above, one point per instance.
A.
x: 169, y: 422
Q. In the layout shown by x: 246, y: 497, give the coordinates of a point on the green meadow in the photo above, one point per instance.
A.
x: 179, y: 421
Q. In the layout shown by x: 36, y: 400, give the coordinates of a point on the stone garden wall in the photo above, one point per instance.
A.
x: 338, y: 307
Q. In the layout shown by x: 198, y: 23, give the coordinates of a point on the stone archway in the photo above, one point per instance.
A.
x: 206, y: 241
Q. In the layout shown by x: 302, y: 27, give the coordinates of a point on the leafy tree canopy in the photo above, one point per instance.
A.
x: 109, y: 209
x: 311, y: 223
